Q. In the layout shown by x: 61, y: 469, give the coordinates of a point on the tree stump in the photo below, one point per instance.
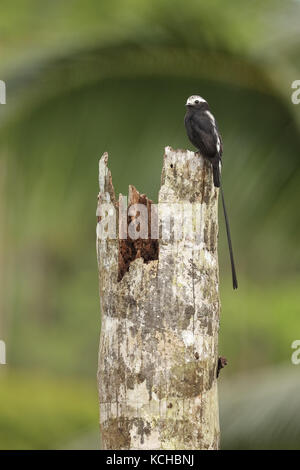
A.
x: 160, y: 306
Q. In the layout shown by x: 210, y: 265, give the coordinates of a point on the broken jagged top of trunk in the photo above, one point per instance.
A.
x: 180, y: 182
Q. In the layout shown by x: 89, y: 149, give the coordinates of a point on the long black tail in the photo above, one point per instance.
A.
x: 216, y: 174
x: 234, y: 278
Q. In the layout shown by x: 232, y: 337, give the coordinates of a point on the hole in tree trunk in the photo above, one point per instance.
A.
x: 129, y: 249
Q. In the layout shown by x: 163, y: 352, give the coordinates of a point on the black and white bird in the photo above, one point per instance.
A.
x: 202, y: 130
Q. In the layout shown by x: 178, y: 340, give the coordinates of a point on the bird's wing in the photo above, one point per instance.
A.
x: 221, y: 145
x: 206, y: 129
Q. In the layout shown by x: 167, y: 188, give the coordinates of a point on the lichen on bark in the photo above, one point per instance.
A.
x: 158, y: 353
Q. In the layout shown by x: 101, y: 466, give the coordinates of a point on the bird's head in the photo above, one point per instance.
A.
x: 196, y: 101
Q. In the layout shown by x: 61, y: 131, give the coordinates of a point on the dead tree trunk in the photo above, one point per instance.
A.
x: 160, y: 313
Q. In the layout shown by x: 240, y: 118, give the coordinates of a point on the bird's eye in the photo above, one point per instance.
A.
x: 196, y: 101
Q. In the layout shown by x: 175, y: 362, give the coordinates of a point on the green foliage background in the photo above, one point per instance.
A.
x: 84, y: 77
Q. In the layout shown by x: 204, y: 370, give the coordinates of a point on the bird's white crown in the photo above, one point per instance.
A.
x: 194, y: 99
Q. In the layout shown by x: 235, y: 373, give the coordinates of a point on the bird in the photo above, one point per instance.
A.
x: 202, y: 130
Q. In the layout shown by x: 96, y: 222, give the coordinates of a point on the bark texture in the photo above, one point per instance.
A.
x: 158, y: 352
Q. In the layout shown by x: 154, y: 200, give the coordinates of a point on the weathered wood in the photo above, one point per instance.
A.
x: 158, y: 352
